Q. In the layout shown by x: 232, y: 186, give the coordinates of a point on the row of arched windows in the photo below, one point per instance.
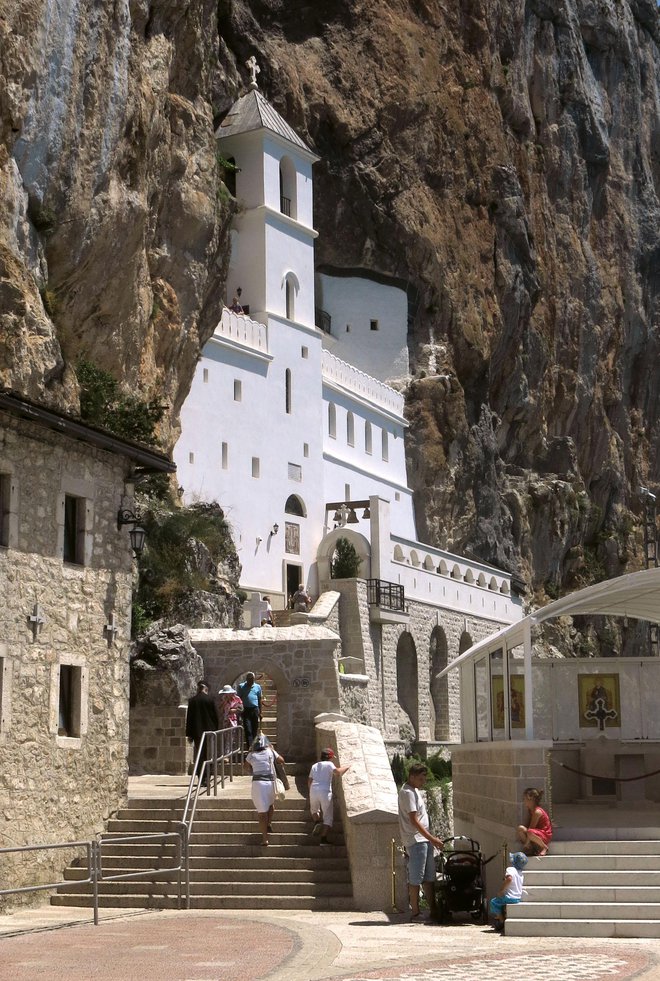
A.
x: 350, y: 432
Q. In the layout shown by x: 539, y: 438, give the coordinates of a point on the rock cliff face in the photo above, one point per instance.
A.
x: 503, y: 157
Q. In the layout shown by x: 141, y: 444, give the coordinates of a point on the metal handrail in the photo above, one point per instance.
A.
x: 92, y: 870
x: 190, y: 806
x: 93, y: 848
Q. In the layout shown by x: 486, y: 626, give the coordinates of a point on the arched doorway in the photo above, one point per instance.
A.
x: 407, y: 680
x: 439, y: 708
x: 268, y: 703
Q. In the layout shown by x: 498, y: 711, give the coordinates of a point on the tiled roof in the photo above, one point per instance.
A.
x: 252, y: 111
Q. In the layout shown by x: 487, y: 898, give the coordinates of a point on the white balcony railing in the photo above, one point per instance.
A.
x: 238, y: 327
x: 338, y: 371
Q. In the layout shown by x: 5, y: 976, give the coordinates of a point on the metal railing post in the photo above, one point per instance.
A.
x: 95, y: 863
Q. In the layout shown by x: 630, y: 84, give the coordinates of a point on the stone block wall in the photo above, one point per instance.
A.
x: 488, y: 781
x: 158, y: 740
x: 57, y: 787
x: 367, y: 797
x: 302, y: 663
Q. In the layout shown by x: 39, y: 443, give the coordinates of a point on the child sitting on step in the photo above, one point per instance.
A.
x: 511, y: 890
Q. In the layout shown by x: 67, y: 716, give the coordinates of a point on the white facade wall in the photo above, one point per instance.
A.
x: 290, y: 252
x: 257, y: 428
x: 354, y: 302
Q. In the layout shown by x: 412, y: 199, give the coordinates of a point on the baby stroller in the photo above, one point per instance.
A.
x: 459, y: 884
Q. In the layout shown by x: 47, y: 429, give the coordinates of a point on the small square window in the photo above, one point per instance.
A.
x: 238, y: 390
x: 397, y: 496
x: 347, y: 492
x: 295, y: 471
x: 255, y: 466
x: 224, y: 456
x: 206, y: 374
x: 373, y: 325
x: 305, y: 449
x: 348, y: 328
x: 304, y: 352
x: 191, y: 458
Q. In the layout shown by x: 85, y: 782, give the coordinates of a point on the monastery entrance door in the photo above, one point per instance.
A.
x: 293, y: 580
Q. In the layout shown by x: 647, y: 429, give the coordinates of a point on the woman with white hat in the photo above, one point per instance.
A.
x: 229, y: 705
x: 262, y: 759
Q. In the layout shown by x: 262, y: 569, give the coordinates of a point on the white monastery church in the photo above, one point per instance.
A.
x: 289, y: 423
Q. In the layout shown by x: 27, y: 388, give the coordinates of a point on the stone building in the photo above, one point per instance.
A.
x: 66, y: 575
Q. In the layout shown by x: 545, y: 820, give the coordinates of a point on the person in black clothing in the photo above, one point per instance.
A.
x: 201, y: 717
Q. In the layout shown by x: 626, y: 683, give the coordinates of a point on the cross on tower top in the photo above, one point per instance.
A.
x: 254, y: 70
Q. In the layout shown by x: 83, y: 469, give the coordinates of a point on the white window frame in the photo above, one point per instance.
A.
x: 83, y: 490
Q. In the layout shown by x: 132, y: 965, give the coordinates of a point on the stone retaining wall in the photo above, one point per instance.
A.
x: 158, y: 740
x: 367, y: 797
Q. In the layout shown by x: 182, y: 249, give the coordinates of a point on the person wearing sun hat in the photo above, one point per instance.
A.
x: 230, y: 706
x: 511, y: 890
x: 320, y: 792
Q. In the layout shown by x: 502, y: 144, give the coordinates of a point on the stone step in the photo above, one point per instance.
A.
x: 209, y: 888
x: 612, y: 833
x: 629, y: 928
x: 563, y: 863
x: 249, y: 837
x: 323, y: 862
x: 136, y: 901
x: 604, y: 847
x: 308, y: 849
x: 587, y: 911
x: 214, y: 824
x: 594, y: 894
x: 592, y: 878
x: 223, y: 873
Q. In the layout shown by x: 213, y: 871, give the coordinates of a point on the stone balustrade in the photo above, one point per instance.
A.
x: 338, y: 372
x: 241, y: 329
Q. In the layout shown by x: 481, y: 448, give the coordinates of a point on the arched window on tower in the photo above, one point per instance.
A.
x: 332, y: 420
x: 287, y: 390
x: 288, y: 204
x: 350, y: 429
x: 367, y: 438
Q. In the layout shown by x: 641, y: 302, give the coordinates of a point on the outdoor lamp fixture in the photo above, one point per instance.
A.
x: 274, y: 530
x: 137, y: 534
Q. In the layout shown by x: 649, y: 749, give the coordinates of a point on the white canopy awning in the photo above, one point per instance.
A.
x: 636, y: 596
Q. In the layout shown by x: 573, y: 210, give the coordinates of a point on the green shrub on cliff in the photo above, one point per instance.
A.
x: 103, y: 404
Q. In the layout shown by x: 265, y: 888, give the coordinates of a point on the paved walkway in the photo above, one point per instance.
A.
x: 61, y: 944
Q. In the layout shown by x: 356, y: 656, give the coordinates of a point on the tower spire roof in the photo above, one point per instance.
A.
x: 251, y: 112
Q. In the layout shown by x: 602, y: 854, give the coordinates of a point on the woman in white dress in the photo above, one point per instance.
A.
x: 262, y: 759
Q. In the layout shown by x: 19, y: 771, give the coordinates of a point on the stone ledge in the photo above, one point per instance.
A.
x: 264, y: 635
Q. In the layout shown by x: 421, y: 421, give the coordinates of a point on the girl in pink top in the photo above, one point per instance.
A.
x: 536, y: 834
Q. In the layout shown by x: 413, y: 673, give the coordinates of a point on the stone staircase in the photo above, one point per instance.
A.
x: 591, y: 889
x: 229, y: 869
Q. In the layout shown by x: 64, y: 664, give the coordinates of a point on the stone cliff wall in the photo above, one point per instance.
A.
x: 501, y: 157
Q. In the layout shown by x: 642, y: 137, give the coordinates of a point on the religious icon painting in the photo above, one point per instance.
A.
x: 599, y: 700
x: 516, y: 701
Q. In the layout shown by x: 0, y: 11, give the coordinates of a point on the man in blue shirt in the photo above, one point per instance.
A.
x: 250, y: 694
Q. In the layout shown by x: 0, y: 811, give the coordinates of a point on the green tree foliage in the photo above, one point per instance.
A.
x: 104, y: 404
x: 184, y: 547
x: 345, y: 561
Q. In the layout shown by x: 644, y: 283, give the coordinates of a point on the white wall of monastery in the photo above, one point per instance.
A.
x: 354, y: 304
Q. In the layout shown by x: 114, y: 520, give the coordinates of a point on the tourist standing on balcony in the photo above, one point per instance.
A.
x: 250, y: 694
x: 235, y: 305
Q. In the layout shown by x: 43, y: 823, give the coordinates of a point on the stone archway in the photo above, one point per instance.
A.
x: 297, y: 665
x: 407, y: 680
x: 439, y: 705
x: 327, y: 548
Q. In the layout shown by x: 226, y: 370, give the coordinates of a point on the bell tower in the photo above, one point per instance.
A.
x: 273, y: 238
